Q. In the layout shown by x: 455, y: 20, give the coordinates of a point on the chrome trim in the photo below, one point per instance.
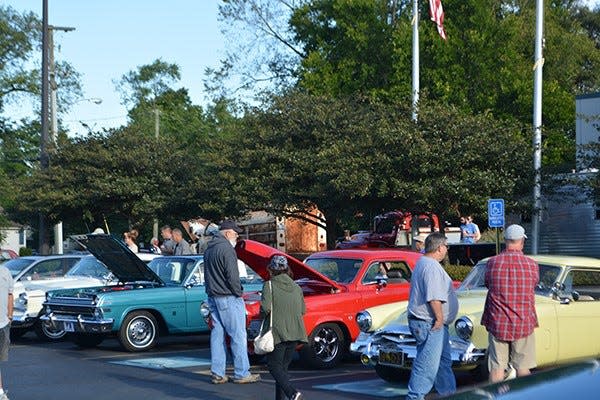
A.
x: 80, y: 323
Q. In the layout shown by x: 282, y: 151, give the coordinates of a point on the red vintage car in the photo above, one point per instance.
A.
x: 336, y: 285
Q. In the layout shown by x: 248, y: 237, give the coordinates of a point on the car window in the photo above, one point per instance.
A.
x: 396, y: 272
x: 342, y: 270
x: 173, y: 270
x: 17, y: 265
x: 89, y: 266
x: 46, y: 269
x: 585, y: 284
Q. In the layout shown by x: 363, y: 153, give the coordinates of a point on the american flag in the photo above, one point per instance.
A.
x: 437, y: 15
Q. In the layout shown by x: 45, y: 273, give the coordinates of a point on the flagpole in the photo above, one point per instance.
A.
x: 415, y: 60
x: 537, y: 124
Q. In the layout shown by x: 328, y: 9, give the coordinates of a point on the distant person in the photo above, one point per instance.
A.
x: 182, y: 247
x: 130, y: 237
x: 227, y: 309
x: 168, y: 244
x: 467, y: 231
x: 6, y: 315
x: 419, y: 241
x: 381, y: 272
x: 285, y: 301
x: 432, y: 306
x: 475, y: 227
x: 155, y: 246
x: 509, y: 314
x: 347, y: 236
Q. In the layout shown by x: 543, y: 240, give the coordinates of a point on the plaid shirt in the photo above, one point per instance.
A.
x: 509, y: 312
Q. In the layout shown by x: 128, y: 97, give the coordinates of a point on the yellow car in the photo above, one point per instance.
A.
x: 568, y: 308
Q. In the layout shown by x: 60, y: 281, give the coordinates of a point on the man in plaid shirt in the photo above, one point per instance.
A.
x: 509, y: 314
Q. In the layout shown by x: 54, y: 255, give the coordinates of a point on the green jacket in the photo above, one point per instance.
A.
x: 288, y: 308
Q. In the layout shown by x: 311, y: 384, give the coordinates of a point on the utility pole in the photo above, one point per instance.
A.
x: 58, y: 228
x: 44, y: 162
x: 415, y: 61
x: 537, y: 125
x: 156, y: 135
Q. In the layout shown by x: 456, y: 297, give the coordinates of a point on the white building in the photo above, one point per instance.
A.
x: 15, y: 236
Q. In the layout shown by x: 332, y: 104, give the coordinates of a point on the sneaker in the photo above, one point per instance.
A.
x: 297, y: 396
x: 215, y: 379
x: 3, y: 396
x: 251, y: 378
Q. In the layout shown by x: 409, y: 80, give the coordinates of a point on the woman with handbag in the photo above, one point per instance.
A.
x: 283, y: 304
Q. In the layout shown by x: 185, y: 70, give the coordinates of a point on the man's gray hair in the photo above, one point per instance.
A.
x: 434, y: 241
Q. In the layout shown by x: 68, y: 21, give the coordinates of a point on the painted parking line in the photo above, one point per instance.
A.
x: 373, y: 387
x: 164, y: 362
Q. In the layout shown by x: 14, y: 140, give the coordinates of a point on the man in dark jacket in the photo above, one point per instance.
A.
x: 227, y: 309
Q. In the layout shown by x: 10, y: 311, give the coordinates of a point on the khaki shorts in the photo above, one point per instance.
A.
x: 520, y: 353
x: 4, y: 342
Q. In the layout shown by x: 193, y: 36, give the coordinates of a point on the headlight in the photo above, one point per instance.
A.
x: 23, y: 298
x: 364, y: 321
x: 204, y: 310
x: 464, y: 328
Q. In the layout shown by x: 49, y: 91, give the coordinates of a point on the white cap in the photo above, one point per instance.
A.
x: 514, y: 232
x: 420, y: 238
x: 98, y: 231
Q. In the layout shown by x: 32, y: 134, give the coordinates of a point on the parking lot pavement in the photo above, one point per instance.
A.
x: 178, y: 368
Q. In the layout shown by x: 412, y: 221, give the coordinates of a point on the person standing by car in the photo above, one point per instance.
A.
x: 432, y: 305
x: 6, y: 314
x: 509, y: 314
x: 182, y: 247
x: 168, y: 243
x: 130, y: 237
x: 227, y: 308
x: 284, y: 301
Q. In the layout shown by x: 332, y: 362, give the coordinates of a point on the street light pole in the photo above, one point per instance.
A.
x: 58, y: 228
x: 537, y: 126
x: 44, y: 163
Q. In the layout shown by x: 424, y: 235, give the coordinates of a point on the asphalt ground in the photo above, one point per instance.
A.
x: 178, y: 368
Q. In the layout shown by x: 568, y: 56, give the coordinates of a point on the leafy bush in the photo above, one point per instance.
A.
x: 24, y: 251
x: 458, y: 272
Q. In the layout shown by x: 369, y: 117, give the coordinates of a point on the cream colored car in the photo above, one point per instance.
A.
x: 567, y: 304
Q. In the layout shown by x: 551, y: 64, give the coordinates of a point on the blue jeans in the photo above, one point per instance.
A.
x: 433, y: 365
x: 228, y: 315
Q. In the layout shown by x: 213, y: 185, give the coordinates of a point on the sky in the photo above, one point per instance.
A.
x: 113, y: 37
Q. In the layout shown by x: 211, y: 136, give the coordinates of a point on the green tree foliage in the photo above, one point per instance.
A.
x: 350, y: 156
x: 105, y: 175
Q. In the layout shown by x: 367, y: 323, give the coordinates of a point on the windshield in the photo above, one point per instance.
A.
x: 89, y: 266
x: 175, y: 270
x: 476, y: 278
x: 17, y: 265
x: 341, y: 270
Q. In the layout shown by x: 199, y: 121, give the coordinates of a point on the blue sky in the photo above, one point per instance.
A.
x: 113, y: 37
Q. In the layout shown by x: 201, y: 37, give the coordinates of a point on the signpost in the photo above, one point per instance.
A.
x: 496, y: 218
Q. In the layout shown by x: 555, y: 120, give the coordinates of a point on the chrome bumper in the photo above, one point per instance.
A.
x: 78, y: 324
x: 463, y: 353
x: 22, y: 320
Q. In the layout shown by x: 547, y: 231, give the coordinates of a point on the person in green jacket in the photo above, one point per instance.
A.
x: 285, y: 300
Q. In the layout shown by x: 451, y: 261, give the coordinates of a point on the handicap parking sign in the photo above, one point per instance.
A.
x: 496, y: 213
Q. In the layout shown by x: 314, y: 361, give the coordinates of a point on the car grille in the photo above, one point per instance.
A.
x: 391, y: 340
x: 71, y: 306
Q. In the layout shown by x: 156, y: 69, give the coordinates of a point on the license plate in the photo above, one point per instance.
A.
x: 394, y: 358
x: 68, y: 327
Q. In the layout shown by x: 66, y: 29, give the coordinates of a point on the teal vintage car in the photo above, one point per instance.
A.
x: 148, y: 301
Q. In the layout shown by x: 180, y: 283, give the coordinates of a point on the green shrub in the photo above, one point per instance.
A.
x: 458, y: 272
x: 24, y: 251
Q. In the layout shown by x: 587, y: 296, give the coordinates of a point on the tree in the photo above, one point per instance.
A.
x: 105, y: 175
x: 350, y: 156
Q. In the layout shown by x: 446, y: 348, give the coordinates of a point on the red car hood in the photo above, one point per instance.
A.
x: 257, y: 255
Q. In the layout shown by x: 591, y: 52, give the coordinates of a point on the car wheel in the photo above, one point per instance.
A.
x: 139, y: 331
x: 47, y: 333
x: 87, y: 340
x: 391, y: 374
x: 326, y: 347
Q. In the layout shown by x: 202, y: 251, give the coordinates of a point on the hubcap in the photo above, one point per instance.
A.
x: 53, y: 333
x: 140, y: 332
x: 326, y: 344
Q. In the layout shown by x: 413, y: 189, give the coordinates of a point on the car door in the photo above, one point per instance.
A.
x: 579, y: 320
x: 195, y: 294
x: 397, y: 283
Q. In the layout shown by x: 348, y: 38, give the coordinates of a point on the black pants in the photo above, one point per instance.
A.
x: 278, y: 362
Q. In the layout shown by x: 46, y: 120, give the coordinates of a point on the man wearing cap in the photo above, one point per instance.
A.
x: 419, y: 241
x: 227, y: 309
x: 509, y: 314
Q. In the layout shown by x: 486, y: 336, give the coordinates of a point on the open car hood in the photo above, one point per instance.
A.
x: 257, y: 255
x: 117, y: 257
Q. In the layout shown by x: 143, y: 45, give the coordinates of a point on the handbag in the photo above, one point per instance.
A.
x: 264, y: 343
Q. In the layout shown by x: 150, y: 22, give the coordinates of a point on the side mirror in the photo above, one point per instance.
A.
x: 381, y: 283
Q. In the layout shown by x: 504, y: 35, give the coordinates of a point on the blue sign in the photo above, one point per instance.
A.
x: 496, y: 213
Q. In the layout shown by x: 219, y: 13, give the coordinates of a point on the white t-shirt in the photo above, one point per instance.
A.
x: 6, y: 288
